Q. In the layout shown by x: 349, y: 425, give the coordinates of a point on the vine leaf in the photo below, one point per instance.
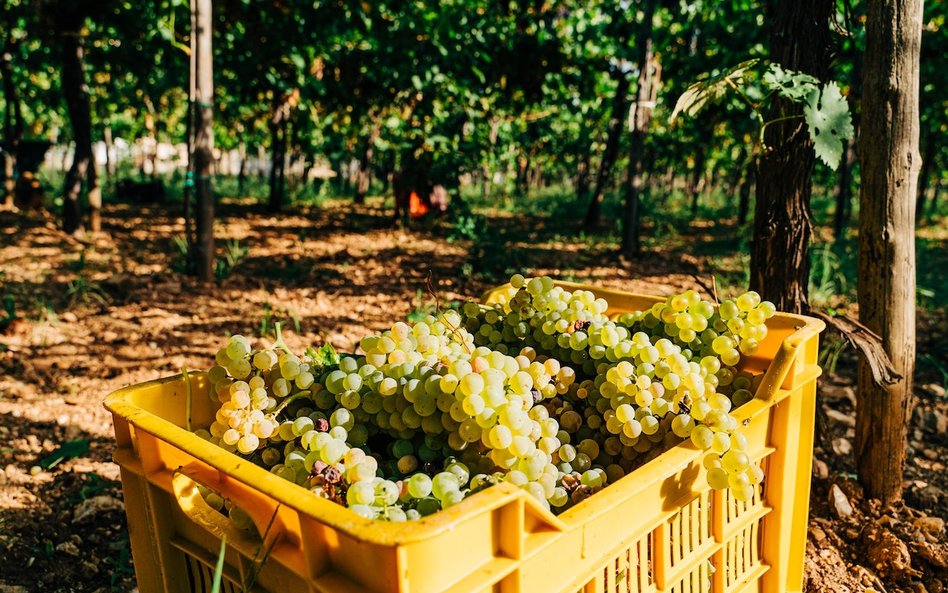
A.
x: 697, y: 96
x: 829, y: 123
x: 325, y: 357
x: 790, y: 84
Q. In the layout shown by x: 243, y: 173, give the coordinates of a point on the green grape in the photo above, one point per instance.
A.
x: 419, y: 485
x: 734, y: 462
x: 443, y: 483
x: 702, y: 437
x: 718, y: 478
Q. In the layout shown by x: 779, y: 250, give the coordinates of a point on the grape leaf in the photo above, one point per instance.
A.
x: 790, y: 84
x: 829, y: 122
x: 326, y: 356
x: 697, y: 96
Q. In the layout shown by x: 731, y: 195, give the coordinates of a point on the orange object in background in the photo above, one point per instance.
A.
x: 416, y: 206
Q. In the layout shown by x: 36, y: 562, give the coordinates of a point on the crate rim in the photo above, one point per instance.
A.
x: 326, y: 511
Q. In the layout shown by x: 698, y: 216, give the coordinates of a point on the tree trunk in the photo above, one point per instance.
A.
x: 604, y: 175
x: 487, y: 174
x: 925, y: 175
x: 203, y: 148
x: 537, y: 180
x: 13, y: 121
x: 844, y: 191
x: 286, y: 173
x: 76, y: 95
x: 278, y: 149
x: 582, y: 176
x: 646, y: 92
x: 345, y: 174
x: 780, y: 262
x: 886, y: 284
x: 94, y: 196
x: 933, y: 202
x: 109, y: 150
x: 732, y: 188
x: 388, y: 168
x: 364, y: 173
x: 9, y: 183
x: 188, y: 192
x: 242, y: 172
x: 521, y: 180
x: 151, y: 126
x: 747, y: 183
x: 707, y: 180
x: 697, y: 174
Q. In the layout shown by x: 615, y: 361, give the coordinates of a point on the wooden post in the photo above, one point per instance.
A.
x: 645, y: 95
x: 203, y: 147
x: 76, y: 94
x: 887, y: 194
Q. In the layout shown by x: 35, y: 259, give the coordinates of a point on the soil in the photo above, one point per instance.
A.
x: 96, y: 314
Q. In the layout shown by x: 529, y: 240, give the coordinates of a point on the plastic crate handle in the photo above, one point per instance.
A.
x: 262, y: 510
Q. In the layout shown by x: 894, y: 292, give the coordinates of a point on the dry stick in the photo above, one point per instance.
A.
x: 188, y: 396
x: 255, y: 566
x: 712, y: 290
x: 866, y: 342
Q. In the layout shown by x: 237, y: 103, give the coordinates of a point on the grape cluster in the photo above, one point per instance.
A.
x: 541, y: 390
x: 649, y: 379
x: 733, y: 330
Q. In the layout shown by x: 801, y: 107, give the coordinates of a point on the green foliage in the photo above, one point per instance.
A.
x: 217, y: 579
x: 68, y: 450
x: 829, y: 123
x: 828, y: 276
x: 824, y: 108
x: 120, y: 565
x: 711, y: 88
x: 83, y: 291
x: 452, y: 92
x: 789, y: 84
x: 179, y: 257
x: 9, y: 311
x: 234, y: 253
x: 830, y: 351
x: 273, y: 318
x: 325, y: 356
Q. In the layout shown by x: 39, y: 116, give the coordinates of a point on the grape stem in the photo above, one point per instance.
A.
x: 429, y: 285
x: 279, y: 343
x: 291, y: 399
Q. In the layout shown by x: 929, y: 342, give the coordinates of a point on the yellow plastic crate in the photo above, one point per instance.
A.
x: 657, y: 530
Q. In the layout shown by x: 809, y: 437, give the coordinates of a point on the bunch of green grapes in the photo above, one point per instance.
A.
x: 426, y: 387
x: 248, y: 386
x: 433, y: 411
x: 547, y: 318
x: 733, y: 330
x: 641, y: 392
x: 429, y: 379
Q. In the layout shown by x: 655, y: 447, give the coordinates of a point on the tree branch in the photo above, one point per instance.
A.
x: 867, y: 342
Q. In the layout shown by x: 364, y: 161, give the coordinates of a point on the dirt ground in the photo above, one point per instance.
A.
x: 92, y: 316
